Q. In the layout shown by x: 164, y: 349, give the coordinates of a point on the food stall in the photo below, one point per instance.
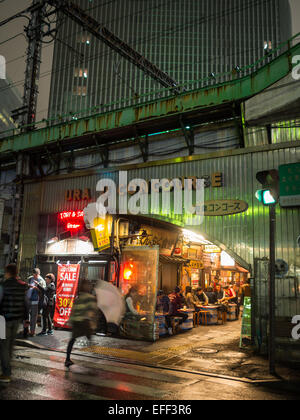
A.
x: 139, y: 272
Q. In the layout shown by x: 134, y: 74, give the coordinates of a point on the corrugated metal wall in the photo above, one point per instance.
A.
x: 282, y: 132
x: 246, y: 234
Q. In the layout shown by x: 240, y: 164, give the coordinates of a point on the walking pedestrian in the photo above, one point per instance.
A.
x: 83, y: 319
x: 47, y: 304
x: 34, y: 296
x: 14, y: 308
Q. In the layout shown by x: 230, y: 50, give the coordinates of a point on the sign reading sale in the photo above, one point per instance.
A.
x: 67, y: 284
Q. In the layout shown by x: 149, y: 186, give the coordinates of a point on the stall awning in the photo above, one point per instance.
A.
x: 173, y: 260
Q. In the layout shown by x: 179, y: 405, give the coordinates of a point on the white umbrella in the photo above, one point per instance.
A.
x: 110, y: 301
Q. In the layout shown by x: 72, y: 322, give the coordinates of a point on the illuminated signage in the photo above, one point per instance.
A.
x: 78, y: 195
x: 68, y: 215
x: 101, y: 232
x: 196, y: 265
x: 212, y: 249
x: 73, y: 220
x: 224, y: 207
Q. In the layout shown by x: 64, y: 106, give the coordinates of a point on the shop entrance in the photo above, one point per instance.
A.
x: 92, y: 268
x: 207, y: 280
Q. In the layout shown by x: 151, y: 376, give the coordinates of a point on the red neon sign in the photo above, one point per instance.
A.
x: 72, y: 219
x: 70, y: 226
x: 68, y: 215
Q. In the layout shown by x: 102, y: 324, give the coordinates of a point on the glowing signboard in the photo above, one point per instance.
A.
x: 73, y: 220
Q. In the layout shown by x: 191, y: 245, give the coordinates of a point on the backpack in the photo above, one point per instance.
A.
x: 34, y: 297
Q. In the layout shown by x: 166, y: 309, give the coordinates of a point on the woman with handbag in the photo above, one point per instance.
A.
x: 83, y: 318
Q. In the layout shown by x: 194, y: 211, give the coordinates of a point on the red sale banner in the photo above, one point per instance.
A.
x: 67, y: 284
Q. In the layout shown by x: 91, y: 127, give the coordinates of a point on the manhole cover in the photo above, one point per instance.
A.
x: 203, y: 350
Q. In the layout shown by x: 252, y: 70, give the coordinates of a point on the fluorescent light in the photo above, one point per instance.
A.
x: 194, y: 237
x: 226, y: 260
x: 53, y: 240
x: 97, y: 262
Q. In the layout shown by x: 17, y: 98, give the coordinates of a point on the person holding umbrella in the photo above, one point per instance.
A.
x: 83, y: 318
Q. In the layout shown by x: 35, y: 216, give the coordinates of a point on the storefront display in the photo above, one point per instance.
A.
x: 136, y: 254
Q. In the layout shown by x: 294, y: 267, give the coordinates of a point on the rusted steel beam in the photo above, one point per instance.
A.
x: 152, y: 114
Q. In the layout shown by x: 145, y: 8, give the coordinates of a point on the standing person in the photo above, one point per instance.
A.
x: 221, y: 300
x: 83, y: 317
x: 14, y: 308
x: 235, y: 299
x: 246, y: 290
x: 34, y: 297
x: 48, y: 303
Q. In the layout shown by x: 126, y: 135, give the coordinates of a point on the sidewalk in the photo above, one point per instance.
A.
x: 209, y: 349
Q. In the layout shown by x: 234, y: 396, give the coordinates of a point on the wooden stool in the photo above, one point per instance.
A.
x: 197, y: 318
x: 203, y: 317
x: 220, y: 316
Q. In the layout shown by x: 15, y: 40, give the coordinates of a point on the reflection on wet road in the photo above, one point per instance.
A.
x: 41, y: 375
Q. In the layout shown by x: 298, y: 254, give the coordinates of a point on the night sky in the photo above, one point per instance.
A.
x: 16, y: 49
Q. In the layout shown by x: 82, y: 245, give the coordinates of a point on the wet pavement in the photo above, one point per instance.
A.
x: 41, y: 375
x: 207, y: 349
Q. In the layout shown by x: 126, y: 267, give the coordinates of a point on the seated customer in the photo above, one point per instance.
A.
x: 163, y: 306
x: 220, y: 294
x: 202, y: 297
x: 191, y: 299
x: 176, y: 303
x: 211, y: 296
x: 130, y: 301
x: 163, y: 301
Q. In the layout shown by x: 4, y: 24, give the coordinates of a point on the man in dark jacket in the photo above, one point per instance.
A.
x: 176, y: 303
x: 14, y: 308
x: 47, y: 297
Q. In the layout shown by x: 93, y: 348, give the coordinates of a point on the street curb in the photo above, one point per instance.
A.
x: 30, y: 344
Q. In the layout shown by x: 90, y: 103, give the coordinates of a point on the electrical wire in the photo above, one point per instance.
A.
x: 102, y: 55
x: 49, y: 72
x: 166, y: 153
x: 20, y: 82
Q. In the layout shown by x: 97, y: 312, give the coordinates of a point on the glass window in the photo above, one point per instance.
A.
x: 138, y: 283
